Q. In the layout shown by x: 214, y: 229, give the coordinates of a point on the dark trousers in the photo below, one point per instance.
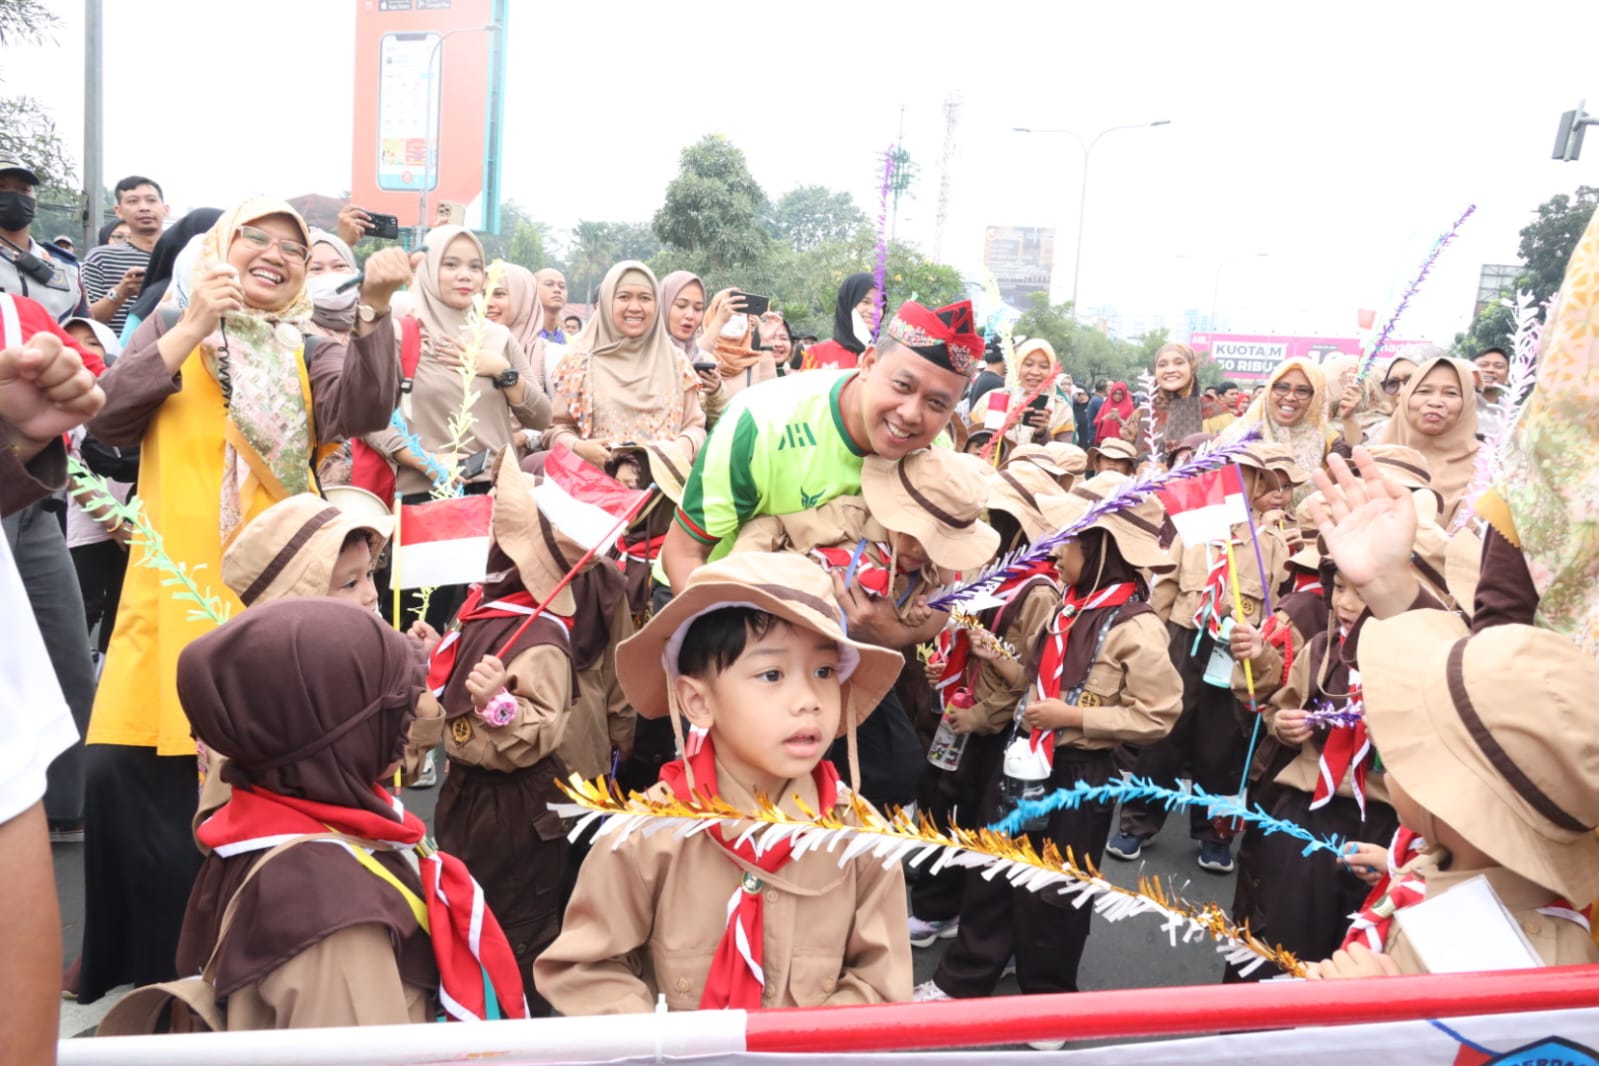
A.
x: 40, y: 549
x: 955, y: 797
x: 501, y: 826
x: 100, y: 568
x: 1303, y: 902
x: 892, y: 755
x: 1207, y: 742
x: 1043, y: 930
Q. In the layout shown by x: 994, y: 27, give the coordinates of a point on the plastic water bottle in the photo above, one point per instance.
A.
x: 948, y: 746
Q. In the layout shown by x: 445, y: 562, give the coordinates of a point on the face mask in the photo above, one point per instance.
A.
x: 333, y: 309
x: 857, y: 324
x: 736, y: 328
x: 16, y: 211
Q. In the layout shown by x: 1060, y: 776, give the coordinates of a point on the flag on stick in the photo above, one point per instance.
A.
x: 1205, y: 507
x: 443, y: 542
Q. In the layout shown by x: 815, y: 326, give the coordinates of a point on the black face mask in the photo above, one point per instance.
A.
x: 16, y: 211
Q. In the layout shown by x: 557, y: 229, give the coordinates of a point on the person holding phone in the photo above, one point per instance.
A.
x: 1048, y: 416
x: 730, y: 358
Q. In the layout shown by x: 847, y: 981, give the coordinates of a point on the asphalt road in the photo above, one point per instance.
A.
x: 1132, y: 953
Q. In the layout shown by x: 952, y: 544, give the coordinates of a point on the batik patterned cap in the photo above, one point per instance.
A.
x: 947, y: 337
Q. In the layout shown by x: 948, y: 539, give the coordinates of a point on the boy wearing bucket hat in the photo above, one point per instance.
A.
x: 1196, y: 601
x: 506, y: 673
x: 1099, y: 676
x: 753, y: 650
x: 1112, y: 455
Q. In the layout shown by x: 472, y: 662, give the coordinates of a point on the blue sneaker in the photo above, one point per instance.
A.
x: 1216, y: 856
x: 1125, y: 846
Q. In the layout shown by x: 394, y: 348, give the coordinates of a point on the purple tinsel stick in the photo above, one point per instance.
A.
x: 1426, y: 267
x: 1325, y: 716
x: 881, y: 275
x: 1129, y: 495
x: 1260, y: 559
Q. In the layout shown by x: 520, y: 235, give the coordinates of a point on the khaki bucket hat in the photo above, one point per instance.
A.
x: 1068, y: 457
x: 1114, y: 448
x: 1017, y: 491
x: 1511, y: 766
x: 290, y: 548
x: 541, y: 552
x: 1038, y: 455
x: 1135, y: 529
x: 936, y: 496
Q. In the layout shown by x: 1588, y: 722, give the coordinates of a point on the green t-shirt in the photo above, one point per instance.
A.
x: 778, y: 448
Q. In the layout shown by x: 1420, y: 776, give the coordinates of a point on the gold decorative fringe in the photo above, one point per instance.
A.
x: 900, y: 836
x: 980, y: 636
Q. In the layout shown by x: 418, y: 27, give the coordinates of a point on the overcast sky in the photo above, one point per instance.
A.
x: 1341, y: 139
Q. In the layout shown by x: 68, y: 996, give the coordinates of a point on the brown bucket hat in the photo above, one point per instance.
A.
x: 1068, y: 457
x: 1038, y: 455
x: 784, y: 584
x: 1114, y: 448
x: 1136, y: 529
x: 290, y: 548
x: 1308, y: 557
x: 937, y: 497
x: 541, y: 552
x: 1514, y: 769
x: 670, y: 463
x: 1275, y: 458
x: 1407, y: 467
x: 1017, y: 490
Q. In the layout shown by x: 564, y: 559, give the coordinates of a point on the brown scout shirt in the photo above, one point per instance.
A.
x: 541, y: 680
x: 22, y: 484
x: 349, y: 978
x: 646, y: 917
x: 1303, y: 687
x: 601, y: 719
x: 1175, y: 595
x: 999, y: 684
x: 1133, y: 693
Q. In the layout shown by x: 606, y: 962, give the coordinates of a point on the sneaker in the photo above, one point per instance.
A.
x: 1010, y: 968
x: 923, y: 933
x: 1046, y: 1045
x: 1125, y: 846
x: 66, y: 832
x: 1216, y: 856
x: 928, y: 992
x: 429, y: 775
x: 69, y: 979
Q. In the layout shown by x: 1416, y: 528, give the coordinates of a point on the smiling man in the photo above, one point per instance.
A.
x: 795, y: 443
x: 114, y: 273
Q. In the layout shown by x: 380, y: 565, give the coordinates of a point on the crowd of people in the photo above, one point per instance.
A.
x: 1393, y: 648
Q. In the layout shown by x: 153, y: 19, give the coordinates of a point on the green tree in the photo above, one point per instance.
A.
x: 1548, y: 241
x: 1087, y: 354
x: 634, y: 240
x: 593, y: 251
x: 1494, y: 328
x: 714, y: 206
x: 812, y: 215
x: 521, y: 239
x: 899, y: 181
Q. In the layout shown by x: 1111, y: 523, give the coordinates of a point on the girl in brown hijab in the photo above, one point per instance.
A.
x: 514, y: 304
x: 1174, y: 401
x: 624, y: 380
x: 1436, y: 414
x: 311, y: 701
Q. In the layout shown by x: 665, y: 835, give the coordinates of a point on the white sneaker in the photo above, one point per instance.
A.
x: 928, y: 992
x: 923, y: 933
x: 1046, y: 1045
x: 429, y: 775
x: 1009, y: 970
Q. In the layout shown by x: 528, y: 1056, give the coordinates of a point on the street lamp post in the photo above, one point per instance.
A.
x: 430, y: 170
x: 1082, y: 204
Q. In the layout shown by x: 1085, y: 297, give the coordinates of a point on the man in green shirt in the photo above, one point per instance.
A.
x: 793, y: 444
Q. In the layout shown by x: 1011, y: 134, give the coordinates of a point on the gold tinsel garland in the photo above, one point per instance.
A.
x: 900, y: 836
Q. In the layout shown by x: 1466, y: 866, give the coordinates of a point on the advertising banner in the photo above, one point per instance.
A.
x: 1250, y: 357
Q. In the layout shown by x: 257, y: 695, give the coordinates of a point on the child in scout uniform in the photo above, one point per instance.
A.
x: 1331, y: 785
x: 306, y: 546
x: 318, y: 903
x: 506, y: 678
x: 1099, y: 675
x: 1114, y: 455
x: 1491, y: 754
x: 1209, y: 739
x: 752, y: 650
x: 1069, y: 458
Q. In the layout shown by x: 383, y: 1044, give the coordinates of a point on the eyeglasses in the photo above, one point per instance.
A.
x: 1392, y: 385
x: 1282, y: 388
x: 261, y: 240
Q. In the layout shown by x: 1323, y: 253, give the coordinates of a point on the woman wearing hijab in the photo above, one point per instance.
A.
x: 230, y: 411
x: 624, y: 381
x: 731, y: 339
x: 683, y: 304
x: 323, y: 933
x: 514, y: 304
x: 1114, y: 414
x: 1174, y: 404
x: 854, y: 324
x: 163, y: 258
x: 332, y: 265
x: 1291, y: 411
x: 1436, y: 414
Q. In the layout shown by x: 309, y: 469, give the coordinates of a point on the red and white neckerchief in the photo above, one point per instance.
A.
x: 1305, y: 581
x: 441, y: 664
x: 1213, y: 605
x: 873, y: 577
x: 473, y: 955
x: 1374, y: 921
x: 1058, y: 639
x: 736, y: 978
x: 953, y: 646
x: 1347, y: 751
x: 646, y: 550
x: 1279, y: 633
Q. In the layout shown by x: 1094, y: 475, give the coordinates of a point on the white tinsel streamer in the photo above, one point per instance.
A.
x: 1522, y: 376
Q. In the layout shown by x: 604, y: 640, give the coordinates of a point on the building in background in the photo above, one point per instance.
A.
x: 1021, y: 258
x: 1496, y: 280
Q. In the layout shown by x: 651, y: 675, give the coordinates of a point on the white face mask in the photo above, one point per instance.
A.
x: 737, y: 327
x: 324, y: 292
x: 863, y: 332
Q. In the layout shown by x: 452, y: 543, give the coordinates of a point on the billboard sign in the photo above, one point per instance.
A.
x: 1251, y: 357
x: 428, y: 97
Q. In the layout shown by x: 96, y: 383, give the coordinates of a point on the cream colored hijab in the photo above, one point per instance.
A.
x: 525, y: 316
x: 1452, y: 454
x: 1307, y: 438
x: 438, y: 318
x: 635, y: 385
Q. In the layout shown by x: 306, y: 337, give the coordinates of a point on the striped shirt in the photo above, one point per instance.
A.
x: 104, y: 268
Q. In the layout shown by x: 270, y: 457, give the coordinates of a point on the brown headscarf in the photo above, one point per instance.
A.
x: 525, y: 315
x: 671, y: 285
x: 1178, y: 414
x: 438, y: 318
x: 1452, y: 454
x: 620, y: 388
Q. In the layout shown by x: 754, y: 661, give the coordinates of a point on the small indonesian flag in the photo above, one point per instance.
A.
x: 582, y: 501
x: 443, y: 542
x: 1205, y: 507
x: 994, y: 414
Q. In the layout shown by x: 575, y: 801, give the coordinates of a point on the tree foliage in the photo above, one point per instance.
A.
x: 713, y: 207
x: 1548, y: 241
x: 26, y: 22
x: 1087, y: 354
x: 521, y: 239
x: 813, y: 215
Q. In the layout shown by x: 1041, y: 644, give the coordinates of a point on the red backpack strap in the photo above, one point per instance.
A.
x: 410, y: 346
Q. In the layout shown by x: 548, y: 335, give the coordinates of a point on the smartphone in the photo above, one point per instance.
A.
x: 410, y: 68
x: 474, y: 465
x: 384, y: 227
x: 704, y: 364
x: 450, y: 213
x: 753, y: 304
x: 1039, y: 403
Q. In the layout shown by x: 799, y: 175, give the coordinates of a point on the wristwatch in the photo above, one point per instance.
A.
x: 366, y: 313
x: 507, y: 378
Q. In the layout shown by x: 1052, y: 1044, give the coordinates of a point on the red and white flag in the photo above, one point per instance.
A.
x: 582, y: 501
x: 997, y: 404
x: 1205, y: 507
x: 443, y: 542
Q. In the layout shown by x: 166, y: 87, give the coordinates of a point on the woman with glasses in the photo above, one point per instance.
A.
x: 1436, y: 414
x: 1291, y: 411
x: 229, y: 402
